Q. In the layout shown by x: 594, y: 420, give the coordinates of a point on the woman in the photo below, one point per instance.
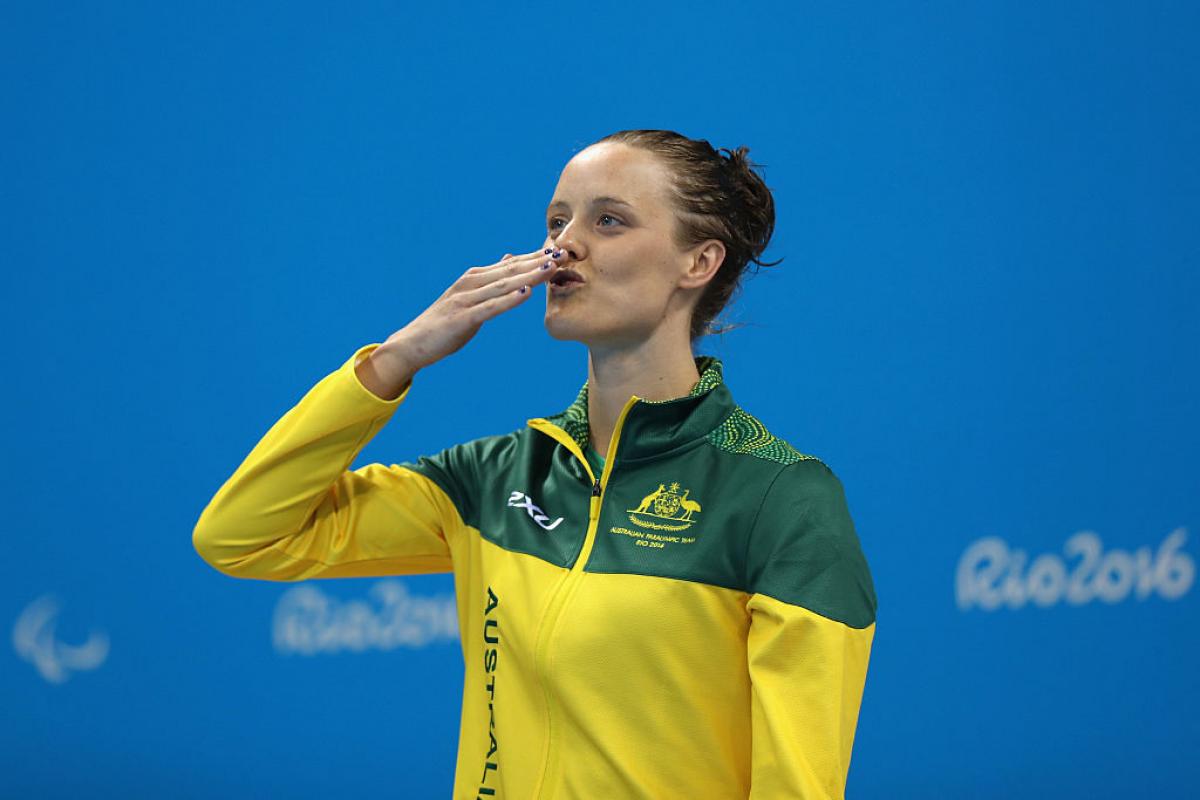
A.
x: 657, y: 597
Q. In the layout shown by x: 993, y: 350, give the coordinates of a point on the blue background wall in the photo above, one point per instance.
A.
x: 986, y: 323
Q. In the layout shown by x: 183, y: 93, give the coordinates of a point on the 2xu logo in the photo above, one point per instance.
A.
x: 522, y: 500
x: 991, y: 575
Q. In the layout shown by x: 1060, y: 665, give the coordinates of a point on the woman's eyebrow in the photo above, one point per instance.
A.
x: 596, y: 201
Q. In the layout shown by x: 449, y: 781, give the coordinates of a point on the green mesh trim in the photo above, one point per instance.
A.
x: 739, y: 433
x: 743, y: 433
x: 711, y: 376
x: 574, y: 419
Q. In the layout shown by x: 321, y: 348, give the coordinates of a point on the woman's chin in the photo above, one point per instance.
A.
x: 562, y: 329
x: 564, y: 323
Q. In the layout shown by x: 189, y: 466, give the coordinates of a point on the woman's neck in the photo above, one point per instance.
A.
x: 652, y: 371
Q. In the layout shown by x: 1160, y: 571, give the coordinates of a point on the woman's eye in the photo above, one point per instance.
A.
x: 552, y: 223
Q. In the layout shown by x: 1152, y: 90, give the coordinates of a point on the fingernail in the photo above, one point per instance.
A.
x: 547, y: 265
x: 523, y: 288
x: 556, y: 254
x: 546, y: 251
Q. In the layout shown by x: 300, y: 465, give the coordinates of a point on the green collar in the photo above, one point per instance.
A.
x: 655, y: 427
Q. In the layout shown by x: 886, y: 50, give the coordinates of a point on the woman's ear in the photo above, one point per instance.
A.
x: 707, y: 258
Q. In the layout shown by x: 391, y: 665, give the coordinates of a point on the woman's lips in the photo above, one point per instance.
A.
x: 566, y: 275
x: 564, y: 288
x: 564, y: 281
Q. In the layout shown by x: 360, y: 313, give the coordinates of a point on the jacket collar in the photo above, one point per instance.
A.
x: 654, y: 427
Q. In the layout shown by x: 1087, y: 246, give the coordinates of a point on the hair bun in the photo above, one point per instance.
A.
x: 737, y: 158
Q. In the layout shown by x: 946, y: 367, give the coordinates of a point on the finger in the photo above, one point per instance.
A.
x: 529, y: 262
x: 507, y: 279
x: 501, y: 303
x: 530, y: 256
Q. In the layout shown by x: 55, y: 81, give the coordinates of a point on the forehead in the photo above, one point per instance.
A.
x: 616, y: 170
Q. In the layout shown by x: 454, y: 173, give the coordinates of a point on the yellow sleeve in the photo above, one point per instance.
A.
x: 812, y: 613
x: 807, y: 676
x: 293, y: 510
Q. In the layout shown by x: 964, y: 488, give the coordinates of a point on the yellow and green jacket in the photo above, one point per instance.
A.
x: 693, y: 619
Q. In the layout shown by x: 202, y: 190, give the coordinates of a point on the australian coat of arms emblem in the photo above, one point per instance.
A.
x: 665, y: 509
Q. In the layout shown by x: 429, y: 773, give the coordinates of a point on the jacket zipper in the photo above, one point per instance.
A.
x: 567, y: 586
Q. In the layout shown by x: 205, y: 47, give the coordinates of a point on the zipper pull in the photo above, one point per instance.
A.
x: 596, y: 488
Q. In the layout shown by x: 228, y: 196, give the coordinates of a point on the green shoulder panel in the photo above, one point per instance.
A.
x: 458, y: 470
x: 803, y: 548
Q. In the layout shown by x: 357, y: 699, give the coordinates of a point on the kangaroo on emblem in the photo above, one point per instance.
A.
x: 648, y: 499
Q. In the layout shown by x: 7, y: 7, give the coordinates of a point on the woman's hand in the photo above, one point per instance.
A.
x: 479, y: 294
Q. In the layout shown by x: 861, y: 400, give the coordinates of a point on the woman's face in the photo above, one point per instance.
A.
x: 636, y: 281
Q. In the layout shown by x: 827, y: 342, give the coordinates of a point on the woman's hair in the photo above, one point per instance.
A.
x: 715, y: 198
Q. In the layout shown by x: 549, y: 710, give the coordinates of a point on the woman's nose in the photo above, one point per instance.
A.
x: 568, y: 246
x: 566, y: 241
